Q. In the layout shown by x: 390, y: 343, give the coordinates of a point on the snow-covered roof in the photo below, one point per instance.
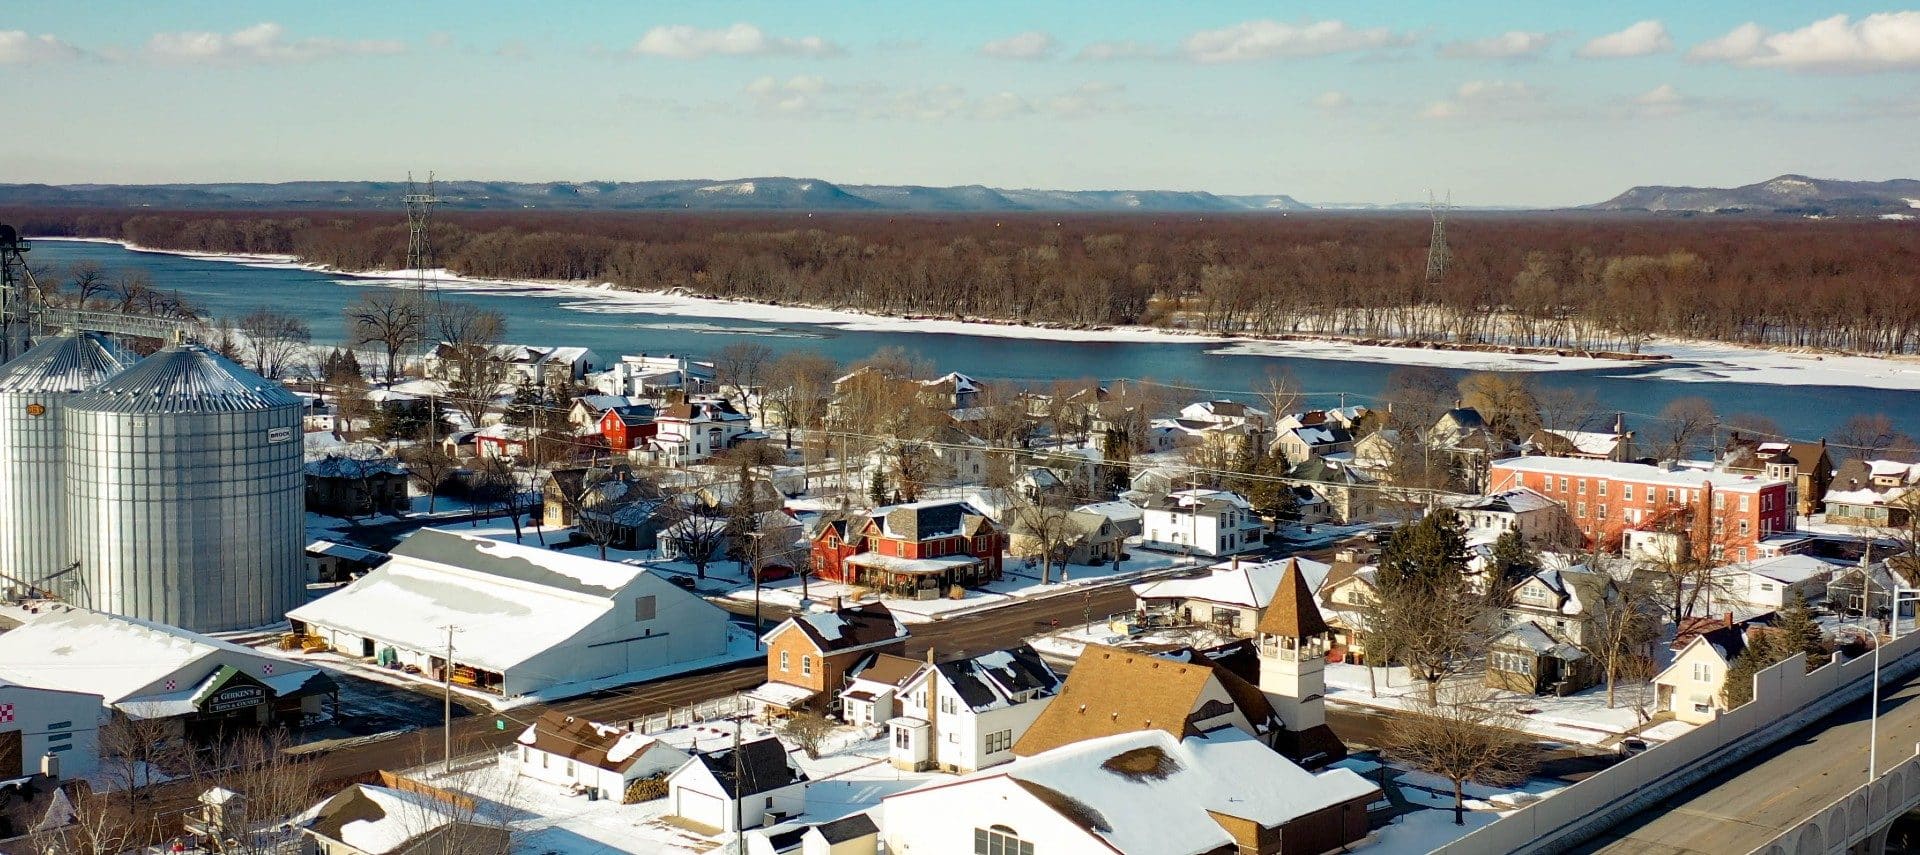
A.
x: 896, y: 564
x: 1590, y: 442
x: 1203, y: 499
x: 1249, y: 584
x: 397, y: 818
x: 342, y: 466
x: 1642, y: 473
x: 1147, y: 791
x: 783, y: 695
x: 1001, y: 678
x: 116, y: 657
x: 1894, y: 469
x: 1528, y: 635
x: 345, y: 551
x: 1116, y: 510
x: 1863, y: 496
x: 511, y: 602
x: 1791, y: 569
x: 1517, y: 501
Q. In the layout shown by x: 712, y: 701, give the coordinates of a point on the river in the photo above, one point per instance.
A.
x: 542, y: 316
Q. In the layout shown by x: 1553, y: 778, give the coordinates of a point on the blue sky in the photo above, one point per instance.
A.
x: 1501, y: 103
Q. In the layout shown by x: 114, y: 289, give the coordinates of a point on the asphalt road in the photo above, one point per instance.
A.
x: 1749, y: 803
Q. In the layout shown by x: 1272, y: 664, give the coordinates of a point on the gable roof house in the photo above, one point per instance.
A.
x: 1540, y: 520
x: 1807, y: 464
x: 917, y: 549
x: 590, y: 757
x: 1552, y: 615
x: 1345, y: 492
x: 407, y: 820
x: 1300, y: 444
x: 1692, y: 687
x: 528, y: 618
x: 1112, y: 691
x: 1615, y: 445
x: 1768, y: 584
x: 756, y: 782
x: 810, y: 655
x: 1137, y: 792
x: 1201, y: 522
x: 1078, y: 536
x: 967, y: 714
x: 855, y: 834
x: 691, y: 431
x: 1232, y: 597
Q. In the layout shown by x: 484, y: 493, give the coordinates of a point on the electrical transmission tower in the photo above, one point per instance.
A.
x: 419, y: 212
x: 1439, y: 258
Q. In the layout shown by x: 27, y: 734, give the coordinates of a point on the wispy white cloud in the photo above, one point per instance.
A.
x: 19, y: 47
x: 799, y: 94
x: 1486, y: 99
x: 1266, y: 39
x: 1883, y: 41
x: 260, y: 43
x: 1641, y: 39
x: 1515, y: 44
x: 680, y: 41
x: 1117, y: 51
x: 1662, y: 100
x: 946, y: 102
x: 1032, y: 44
x: 1333, y: 100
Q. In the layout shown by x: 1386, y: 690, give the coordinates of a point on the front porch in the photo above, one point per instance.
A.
x: 915, y: 578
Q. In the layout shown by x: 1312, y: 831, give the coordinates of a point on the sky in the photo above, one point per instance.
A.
x: 1496, y: 103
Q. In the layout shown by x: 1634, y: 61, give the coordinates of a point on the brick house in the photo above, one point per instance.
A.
x: 1807, y: 464
x: 627, y: 427
x: 810, y: 655
x: 919, y: 549
x: 1610, y: 502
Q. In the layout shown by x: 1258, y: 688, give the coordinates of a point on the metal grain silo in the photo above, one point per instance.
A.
x: 185, y: 491
x: 33, y: 501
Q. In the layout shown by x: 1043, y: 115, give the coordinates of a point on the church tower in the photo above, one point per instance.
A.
x: 1292, y: 639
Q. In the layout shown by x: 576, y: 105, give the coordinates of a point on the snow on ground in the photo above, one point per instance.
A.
x: 1582, y: 718
x: 1422, y: 831
x: 1703, y: 361
x: 1067, y: 644
x: 851, y: 775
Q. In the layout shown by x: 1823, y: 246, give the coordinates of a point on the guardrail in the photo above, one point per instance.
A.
x: 713, y: 710
x: 1785, y: 700
x: 1854, y: 817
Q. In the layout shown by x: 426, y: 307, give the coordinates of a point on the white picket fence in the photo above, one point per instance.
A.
x: 713, y: 710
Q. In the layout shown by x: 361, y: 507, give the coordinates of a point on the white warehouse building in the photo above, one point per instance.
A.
x: 38, y: 723
x: 525, y: 618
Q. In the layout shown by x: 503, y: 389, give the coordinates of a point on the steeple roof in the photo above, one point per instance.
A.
x: 1292, y: 612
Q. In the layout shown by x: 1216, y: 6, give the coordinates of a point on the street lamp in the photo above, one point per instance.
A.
x: 1893, y: 625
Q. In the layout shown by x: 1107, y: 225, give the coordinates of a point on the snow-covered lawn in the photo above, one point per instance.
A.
x: 1582, y: 718
x: 850, y: 776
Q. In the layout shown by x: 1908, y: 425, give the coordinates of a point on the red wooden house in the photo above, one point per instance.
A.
x: 627, y: 427
x: 920, y: 549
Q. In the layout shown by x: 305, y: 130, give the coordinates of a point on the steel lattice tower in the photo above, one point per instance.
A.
x: 19, y: 295
x: 1439, y: 258
x: 419, y: 213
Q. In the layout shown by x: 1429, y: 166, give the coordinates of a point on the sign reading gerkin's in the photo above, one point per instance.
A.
x: 235, y: 697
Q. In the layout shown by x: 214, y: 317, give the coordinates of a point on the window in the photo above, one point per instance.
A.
x: 1000, y: 741
x: 806, y: 665
x: 1672, y: 495
x: 947, y: 704
x: 769, y: 804
x: 643, y: 607
x: 1563, y: 483
x: 1744, y: 527
x: 1743, y: 501
x: 902, y: 739
x: 569, y: 767
x: 1512, y: 663
x: 59, y: 725
x: 1580, y: 509
x: 1600, y: 512
x: 1603, y: 489
x: 1626, y: 492
x: 1702, y: 672
x: 999, y: 840
x: 1719, y: 501
x: 1581, y: 487
x: 783, y: 660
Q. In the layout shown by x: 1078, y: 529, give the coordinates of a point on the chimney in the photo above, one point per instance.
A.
x: 836, y: 602
x: 1619, y: 424
x: 1729, y: 619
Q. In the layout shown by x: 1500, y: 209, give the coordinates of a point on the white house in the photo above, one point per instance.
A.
x: 763, y: 783
x: 1539, y: 519
x: 1692, y: 686
x: 524, y: 618
x: 873, y: 693
x: 967, y: 714
x: 538, y: 365
x: 1767, y: 584
x: 1228, y: 414
x: 1145, y: 792
x: 195, y: 684
x: 651, y: 376
x: 1232, y: 597
x: 694, y: 431
x: 1202, y: 522
x: 37, y: 724
x: 588, y: 756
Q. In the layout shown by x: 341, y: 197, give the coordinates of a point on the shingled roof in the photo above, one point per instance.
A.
x: 1112, y: 691
x: 600, y: 746
x: 848, y: 629
x: 1292, y: 611
x: 763, y: 767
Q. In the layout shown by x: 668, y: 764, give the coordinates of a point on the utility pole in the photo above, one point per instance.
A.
x: 419, y: 213
x: 446, y: 705
x: 739, y: 785
x: 1439, y: 257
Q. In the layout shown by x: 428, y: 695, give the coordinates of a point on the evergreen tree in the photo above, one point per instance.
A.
x: 1761, y: 653
x: 524, y: 409
x: 1423, y: 611
x: 1270, y: 497
x: 1796, y: 632
x: 877, y: 488
x: 1513, y: 560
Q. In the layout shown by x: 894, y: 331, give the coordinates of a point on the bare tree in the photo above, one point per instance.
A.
x: 471, y: 337
x: 497, y: 486
x: 274, y: 789
x: 88, y: 282
x: 1460, y: 737
x: 799, y: 386
x: 743, y: 366
x: 1623, y: 625
x: 429, y: 466
x: 396, y: 320
x: 1280, y: 393
x: 1423, y: 608
x: 275, y: 341
x: 1506, y: 401
x: 1682, y: 427
x: 1042, y: 528
x: 696, y: 532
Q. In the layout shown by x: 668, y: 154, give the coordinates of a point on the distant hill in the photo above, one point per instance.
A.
x: 746, y: 194
x: 1787, y: 194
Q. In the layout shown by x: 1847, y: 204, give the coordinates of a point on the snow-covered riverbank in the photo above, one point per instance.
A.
x: 1688, y: 361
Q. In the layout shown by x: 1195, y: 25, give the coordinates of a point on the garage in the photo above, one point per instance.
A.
x: 700, y: 808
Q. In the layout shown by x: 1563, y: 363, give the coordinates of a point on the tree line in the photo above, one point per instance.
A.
x: 1540, y: 280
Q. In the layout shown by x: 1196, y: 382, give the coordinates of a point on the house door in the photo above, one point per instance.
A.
x: 11, y: 763
x: 702, y: 808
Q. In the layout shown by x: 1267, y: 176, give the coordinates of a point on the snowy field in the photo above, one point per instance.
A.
x: 1703, y: 362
